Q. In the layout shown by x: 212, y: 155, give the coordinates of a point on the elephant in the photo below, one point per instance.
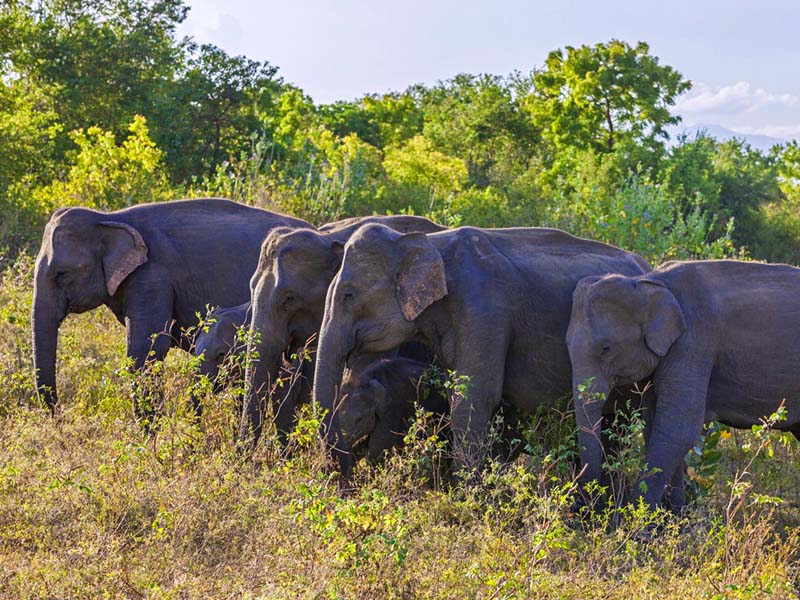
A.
x: 156, y: 266
x: 380, y: 398
x: 720, y: 339
x: 288, y: 299
x: 493, y: 304
x: 379, y: 401
x: 218, y: 339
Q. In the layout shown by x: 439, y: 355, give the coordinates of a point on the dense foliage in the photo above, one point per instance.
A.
x: 101, y: 104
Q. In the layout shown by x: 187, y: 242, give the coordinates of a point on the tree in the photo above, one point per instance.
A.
x: 748, y: 181
x: 217, y: 103
x: 28, y: 128
x: 603, y: 95
x: 378, y: 120
x: 789, y: 169
x: 103, y: 61
x: 418, y: 167
x: 478, y: 119
x: 106, y: 175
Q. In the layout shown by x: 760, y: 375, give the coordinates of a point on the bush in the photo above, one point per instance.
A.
x: 643, y: 217
x: 109, y: 176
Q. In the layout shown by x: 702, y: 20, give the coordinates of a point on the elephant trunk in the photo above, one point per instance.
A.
x: 336, y: 342
x: 590, y: 394
x: 262, y: 371
x: 48, y: 312
x: 208, y: 364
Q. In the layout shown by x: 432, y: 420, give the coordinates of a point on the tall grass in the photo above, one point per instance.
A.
x: 91, y: 506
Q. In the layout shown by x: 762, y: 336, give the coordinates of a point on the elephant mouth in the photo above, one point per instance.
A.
x: 359, y: 446
x: 361, y: 450
x: 356, y: 441
x: 76, y: 308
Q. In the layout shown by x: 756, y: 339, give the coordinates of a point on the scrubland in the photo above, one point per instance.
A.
x: 91, y: 506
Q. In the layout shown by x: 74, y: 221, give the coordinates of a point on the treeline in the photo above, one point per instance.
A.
x: 102, y: 105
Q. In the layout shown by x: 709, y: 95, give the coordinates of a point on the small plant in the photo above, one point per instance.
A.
x: 742, y: 493
x: 702, y: 462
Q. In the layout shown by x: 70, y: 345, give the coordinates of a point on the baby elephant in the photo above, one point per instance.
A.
x: 219, y: 338
x: 721, y: 340
x: 380, y: 401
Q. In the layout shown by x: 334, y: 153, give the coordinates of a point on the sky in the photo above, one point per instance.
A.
x: 743, y: 58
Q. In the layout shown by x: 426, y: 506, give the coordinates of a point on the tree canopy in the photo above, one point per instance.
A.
x: 102, y: 103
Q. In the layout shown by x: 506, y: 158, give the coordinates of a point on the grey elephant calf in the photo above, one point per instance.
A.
x: 493, y: 304
x: 218, y: 339
x: 154, y: 265
x: 379, y: 401
x: 721, y: 340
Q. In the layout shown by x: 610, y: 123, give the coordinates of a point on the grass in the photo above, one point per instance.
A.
x: 91, y: 507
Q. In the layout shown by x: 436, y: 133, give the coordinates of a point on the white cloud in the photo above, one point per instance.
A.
x: 733, y: 99
x: 221, y: 29
x: 786, y: 132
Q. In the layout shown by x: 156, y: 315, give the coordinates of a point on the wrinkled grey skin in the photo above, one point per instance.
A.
x: 219, y: 338
x: 494, y: 306
x: 721, y: 340
x: 288, y: 301
x: 379, y: 402
x: 154, y: 265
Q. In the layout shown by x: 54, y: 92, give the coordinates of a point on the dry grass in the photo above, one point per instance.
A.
x: 91, y: 507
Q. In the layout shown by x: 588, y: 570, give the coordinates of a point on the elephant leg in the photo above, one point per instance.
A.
x: 286, y: 399
x: 618, y: 414
x: 675, y: 493
x: 148, y: 339
x: 470, y: 423
x: 285, y: 409
x: 473, y: 402
x: 681, y: 390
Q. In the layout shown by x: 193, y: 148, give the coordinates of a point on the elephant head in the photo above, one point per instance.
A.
x: 619, y: 330
x: 218, y: 338
x: 365, y: 413
x: 288, y: 300
x: 386, y: 281
x: 83, y: 261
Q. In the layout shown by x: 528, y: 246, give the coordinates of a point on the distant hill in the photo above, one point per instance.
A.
x: 760, y: 142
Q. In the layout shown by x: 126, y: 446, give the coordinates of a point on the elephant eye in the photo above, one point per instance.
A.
x: 287, y: 301
x: 605, y: 350
x: 347, y: 296
x: 60, y: 275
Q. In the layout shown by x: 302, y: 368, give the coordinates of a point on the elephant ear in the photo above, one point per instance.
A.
x: 124, y: 250
x: 420, y: 277
x: 664, y: 320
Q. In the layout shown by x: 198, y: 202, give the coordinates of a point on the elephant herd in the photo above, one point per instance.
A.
x: 523, y: 316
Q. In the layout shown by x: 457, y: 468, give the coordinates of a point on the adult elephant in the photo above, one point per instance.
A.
x: 721, y: 340
x: 288, y: 301
x: 493, y: 304
x: 156, y: 266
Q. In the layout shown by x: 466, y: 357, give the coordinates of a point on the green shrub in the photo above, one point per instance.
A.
x: 109, y: 176
x: 645, y: 218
